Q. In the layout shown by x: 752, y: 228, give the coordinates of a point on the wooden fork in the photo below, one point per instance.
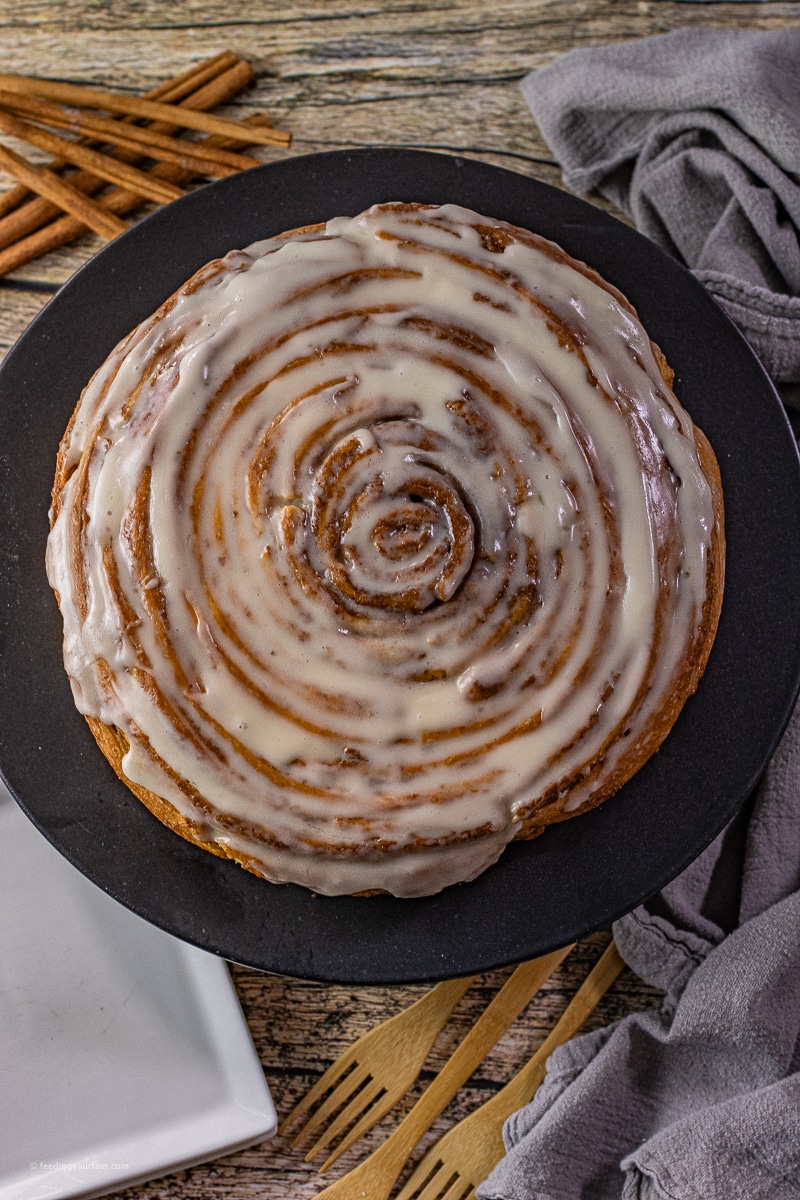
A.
x: 376, y: 1175
x: 377, y: 1070
x: 463, y: 1157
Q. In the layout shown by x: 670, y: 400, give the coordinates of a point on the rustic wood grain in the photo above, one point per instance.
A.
x: 346, y: 73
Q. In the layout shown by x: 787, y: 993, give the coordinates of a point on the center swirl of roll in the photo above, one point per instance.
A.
x: 390, y: 527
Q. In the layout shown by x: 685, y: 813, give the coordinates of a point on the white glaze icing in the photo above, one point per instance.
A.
x: 389, y: 514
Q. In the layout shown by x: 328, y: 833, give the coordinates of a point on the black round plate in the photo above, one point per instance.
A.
x: 580, y: 875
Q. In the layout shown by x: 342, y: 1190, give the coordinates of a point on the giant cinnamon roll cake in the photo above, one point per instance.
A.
x: 381, y: 544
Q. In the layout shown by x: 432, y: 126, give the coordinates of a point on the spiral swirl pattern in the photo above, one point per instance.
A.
x: 381, y: 544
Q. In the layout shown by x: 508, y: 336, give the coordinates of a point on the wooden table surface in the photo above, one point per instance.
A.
x: 345, y: 73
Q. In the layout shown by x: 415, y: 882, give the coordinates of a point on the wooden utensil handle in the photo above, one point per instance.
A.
x: 521, y: 1088
x: 490, y: 1026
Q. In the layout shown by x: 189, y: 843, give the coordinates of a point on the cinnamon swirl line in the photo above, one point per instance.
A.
x: 381, y: 544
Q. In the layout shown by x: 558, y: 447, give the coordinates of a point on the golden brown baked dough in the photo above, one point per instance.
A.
x: 381, y: 544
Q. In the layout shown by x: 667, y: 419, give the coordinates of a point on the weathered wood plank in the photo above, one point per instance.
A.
x: 457, y: 40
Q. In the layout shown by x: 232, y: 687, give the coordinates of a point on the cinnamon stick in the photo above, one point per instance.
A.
x: 138, y: 139
x: 171, y: 91
x: 30, y: 217
x: 152, y: 110
x: 47, y: 183
x: 106, y: 168
x: 176, y: 89
x: 66, y: 229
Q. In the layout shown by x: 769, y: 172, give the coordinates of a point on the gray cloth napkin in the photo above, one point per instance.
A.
x: 696, y: 134
x: 700, y: 1099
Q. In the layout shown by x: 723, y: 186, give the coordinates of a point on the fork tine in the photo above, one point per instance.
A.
x: 336, y: 1073
x: 345, y: 1092
x: 409, y: 1034
x: 454, y: 1189
x: 433, y: 1182
x: 442, y: 1187
x: 371, y: 1116
x: 359, y: 1106
x: 459, y: 1190
x: 425, y: 1172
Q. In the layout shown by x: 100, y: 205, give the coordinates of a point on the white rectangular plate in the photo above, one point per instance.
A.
x: 124, y: 1053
